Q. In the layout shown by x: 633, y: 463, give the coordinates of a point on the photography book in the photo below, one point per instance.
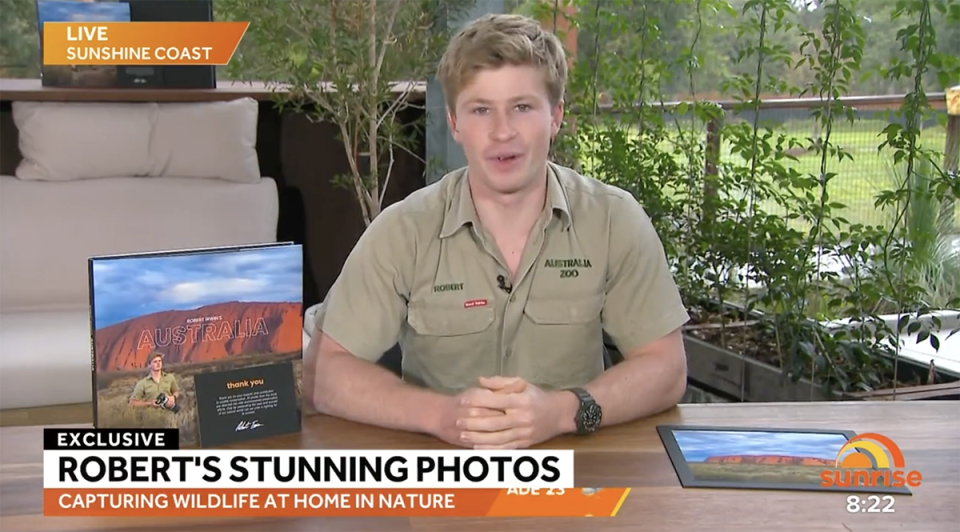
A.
x: 803, y: 459
x: 208, y: 341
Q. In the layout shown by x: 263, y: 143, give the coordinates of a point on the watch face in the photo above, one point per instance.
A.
x: 591, y: 416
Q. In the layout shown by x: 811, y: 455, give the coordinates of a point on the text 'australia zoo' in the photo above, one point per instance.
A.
x: 568, y: 267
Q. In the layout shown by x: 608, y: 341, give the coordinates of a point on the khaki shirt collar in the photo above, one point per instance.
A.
x: 461, y: 210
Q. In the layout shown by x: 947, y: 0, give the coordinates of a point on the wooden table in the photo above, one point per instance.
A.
x: 626, y: 456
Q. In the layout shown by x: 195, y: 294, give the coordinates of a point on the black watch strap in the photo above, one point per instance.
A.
x: 589, y: 415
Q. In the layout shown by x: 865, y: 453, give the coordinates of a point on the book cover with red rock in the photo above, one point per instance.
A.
x: 207, y: 341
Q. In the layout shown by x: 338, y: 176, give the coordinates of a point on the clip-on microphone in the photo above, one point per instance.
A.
x: 502, y: 284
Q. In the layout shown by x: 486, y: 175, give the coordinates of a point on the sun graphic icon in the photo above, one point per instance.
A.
x: 869, y: 451
x: 857, y: 461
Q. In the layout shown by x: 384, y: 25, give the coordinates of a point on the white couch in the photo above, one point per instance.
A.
x: 104, y: 178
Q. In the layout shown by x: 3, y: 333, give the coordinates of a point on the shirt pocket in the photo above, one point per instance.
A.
x: 449, y: 321
x: 563, y: 340
x: 565, y: 311
x: 446, y: 347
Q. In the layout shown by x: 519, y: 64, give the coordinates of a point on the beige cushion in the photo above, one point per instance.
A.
x: 208, y: 140
x: 49, y: 230
x: 65, y: 141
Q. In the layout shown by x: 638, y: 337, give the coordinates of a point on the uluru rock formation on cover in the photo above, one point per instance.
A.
x: 205, y: 334
x: 770, y: 459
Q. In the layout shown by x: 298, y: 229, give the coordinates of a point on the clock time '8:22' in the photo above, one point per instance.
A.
x: 872, y: 504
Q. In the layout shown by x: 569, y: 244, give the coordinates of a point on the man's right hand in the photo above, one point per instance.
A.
x: 455, y: 409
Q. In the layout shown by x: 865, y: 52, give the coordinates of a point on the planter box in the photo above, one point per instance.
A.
x: 698, y: 395
x: 753, y: 381
x: 918, y: 355
x: 744, y: 378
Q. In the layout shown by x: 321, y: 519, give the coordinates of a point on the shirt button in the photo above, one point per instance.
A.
x: 513, y: 298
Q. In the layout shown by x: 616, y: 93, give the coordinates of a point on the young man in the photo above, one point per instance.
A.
x: 149, y: 388
x: 499, y: 280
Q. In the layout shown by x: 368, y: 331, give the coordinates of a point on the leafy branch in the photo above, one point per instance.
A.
x: 356, y: 64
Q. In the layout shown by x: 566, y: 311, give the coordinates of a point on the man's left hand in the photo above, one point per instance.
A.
x: 171, y: 400
x: 531, y: 415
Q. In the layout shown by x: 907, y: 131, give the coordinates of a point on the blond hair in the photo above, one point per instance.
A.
x: 497, y: 40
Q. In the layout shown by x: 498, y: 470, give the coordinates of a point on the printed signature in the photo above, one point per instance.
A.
x: 248, y: 425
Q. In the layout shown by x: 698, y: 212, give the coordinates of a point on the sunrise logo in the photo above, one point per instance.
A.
x: 870, y: 460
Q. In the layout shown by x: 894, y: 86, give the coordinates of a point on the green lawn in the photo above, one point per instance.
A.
x: 861, y: 178
x: 858, y: 180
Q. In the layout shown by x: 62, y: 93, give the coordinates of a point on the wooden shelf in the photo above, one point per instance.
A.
x: 12, y: 89
x: 32, y: 90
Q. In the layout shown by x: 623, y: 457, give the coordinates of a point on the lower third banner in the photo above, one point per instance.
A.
x: 520, y: 502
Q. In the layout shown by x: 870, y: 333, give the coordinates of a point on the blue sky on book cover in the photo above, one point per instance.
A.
x: 129, y: 287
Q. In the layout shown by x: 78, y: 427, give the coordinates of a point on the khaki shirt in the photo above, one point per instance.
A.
x: 424, y: 273
x: 148, y: 389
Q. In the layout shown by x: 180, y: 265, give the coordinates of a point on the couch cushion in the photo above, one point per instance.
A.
x: 49, y: 230
x: 45, y: 358
x: 211, y: 140
x: 64, y: 141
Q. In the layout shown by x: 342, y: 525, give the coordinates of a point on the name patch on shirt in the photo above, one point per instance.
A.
x: 448, y: 287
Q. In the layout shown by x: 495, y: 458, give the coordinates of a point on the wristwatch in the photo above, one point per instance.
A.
x: 589, y: 414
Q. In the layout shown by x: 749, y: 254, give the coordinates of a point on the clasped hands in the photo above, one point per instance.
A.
x: 503, y: 413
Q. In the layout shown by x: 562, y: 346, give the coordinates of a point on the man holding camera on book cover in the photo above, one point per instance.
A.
x: 157, y: 395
